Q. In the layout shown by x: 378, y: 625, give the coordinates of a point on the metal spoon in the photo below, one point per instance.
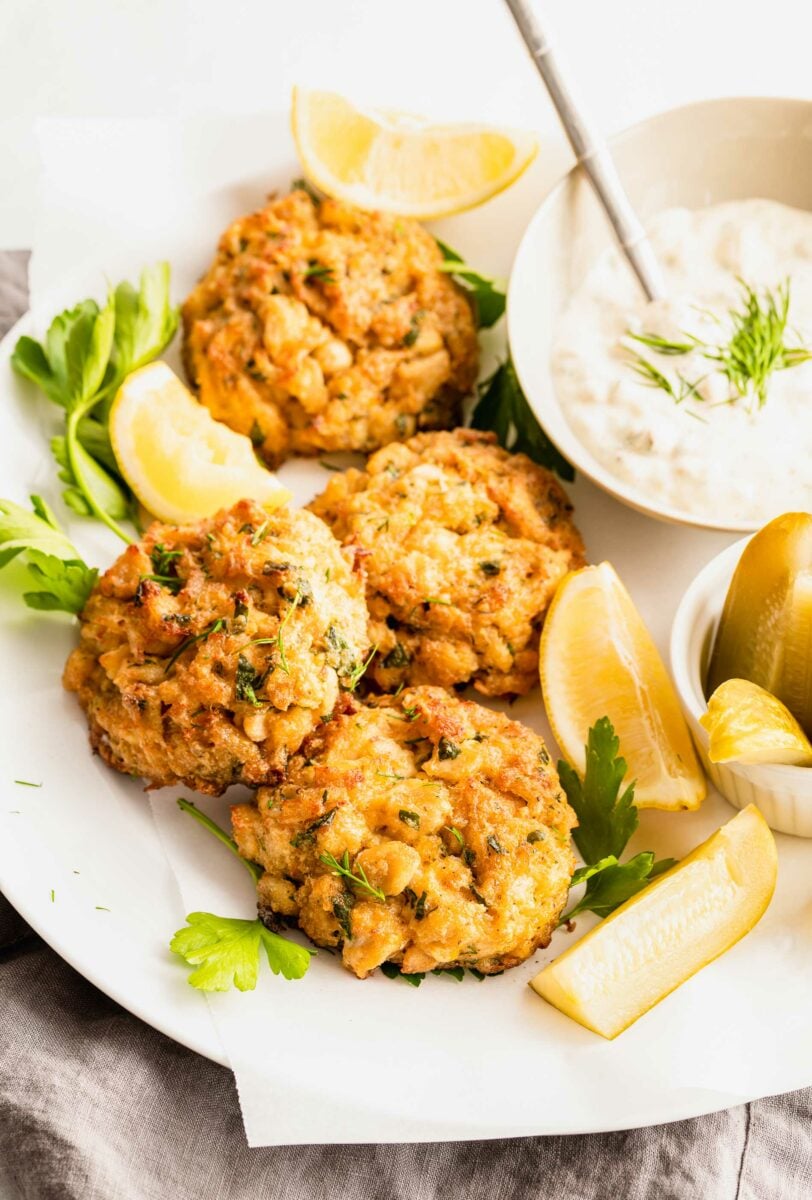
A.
x: 592, y: 153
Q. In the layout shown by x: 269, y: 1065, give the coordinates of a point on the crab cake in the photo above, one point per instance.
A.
x: 209, y: 652
x: 450, y: 825
x: 464, y: 546
x: 321, y: 327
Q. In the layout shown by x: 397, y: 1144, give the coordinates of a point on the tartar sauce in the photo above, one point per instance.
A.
x: 710, y: 451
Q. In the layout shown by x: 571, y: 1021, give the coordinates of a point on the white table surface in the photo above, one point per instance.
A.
x: 460, y: 59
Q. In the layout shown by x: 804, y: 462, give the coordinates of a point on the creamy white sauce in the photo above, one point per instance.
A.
x: 729, y: 461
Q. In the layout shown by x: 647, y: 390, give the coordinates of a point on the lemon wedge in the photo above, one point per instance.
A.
x: 399, y: 163
x: 598, y: 659
x: 180, y: 462
x: 748, y: 725
x: 665, y: 934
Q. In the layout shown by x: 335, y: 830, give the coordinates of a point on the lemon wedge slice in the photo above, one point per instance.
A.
x: 598, y: 659
x: 180, y: 462
x: 665, y: 934
x: 399, y: 163
x: 748, y: 725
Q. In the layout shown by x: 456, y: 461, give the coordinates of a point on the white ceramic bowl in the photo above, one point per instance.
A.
x: 704, y: 153
x: 784, y: 794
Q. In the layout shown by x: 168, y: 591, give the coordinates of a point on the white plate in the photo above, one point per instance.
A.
x: 376, y: 1061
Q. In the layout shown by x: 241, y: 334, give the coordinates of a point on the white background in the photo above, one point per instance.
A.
x: 454, y: 58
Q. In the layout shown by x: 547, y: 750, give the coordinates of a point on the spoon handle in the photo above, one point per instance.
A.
x: 592, y: 153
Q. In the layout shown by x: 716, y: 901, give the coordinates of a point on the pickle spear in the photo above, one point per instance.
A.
x: 765, y: 634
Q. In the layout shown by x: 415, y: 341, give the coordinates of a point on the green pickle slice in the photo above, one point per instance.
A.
x: 765, y: 633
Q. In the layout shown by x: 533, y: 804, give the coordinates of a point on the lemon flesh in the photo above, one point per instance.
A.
x: 398, y: 163
x: 765, y: 633
x: 598, y: 659
x: 746, y: 724
x: 665, y: 934
x: 181, y: 463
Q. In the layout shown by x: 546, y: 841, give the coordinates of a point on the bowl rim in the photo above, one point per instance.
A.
x: 563, y: 437
x: 705, y: 591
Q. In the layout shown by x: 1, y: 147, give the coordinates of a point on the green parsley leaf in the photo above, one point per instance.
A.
x: 64, y: 581
x: 226, y: 950
x: 488, y: 298
x: 606, y: 819
x: 502, y: 407
x: 392, y: 971
x: 85, y: 355
x: 610, y: 883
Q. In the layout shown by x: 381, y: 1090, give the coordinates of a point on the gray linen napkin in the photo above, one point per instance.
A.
x: 96, y: 1105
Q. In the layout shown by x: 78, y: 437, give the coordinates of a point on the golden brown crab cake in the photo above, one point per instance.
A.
x: 321, y: 327
x: 464, y: 546
x: 447, y: 822
x: 208, y: 652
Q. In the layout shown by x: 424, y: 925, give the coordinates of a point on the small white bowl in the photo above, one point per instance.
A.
x: 690, y: 157
x: 784, y: 794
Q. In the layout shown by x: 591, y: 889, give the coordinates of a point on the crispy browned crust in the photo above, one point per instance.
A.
x: 453, y: 810
x: 464, y: 546
x: 158, y: 665
x: 321, y: 327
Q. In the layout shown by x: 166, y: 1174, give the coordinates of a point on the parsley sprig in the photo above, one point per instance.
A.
x: 488, y: 297
x: 607, y: 818
x: 84, y: 357
x: 63, y: 580
x: 225, y: 951
x: 502, y: 407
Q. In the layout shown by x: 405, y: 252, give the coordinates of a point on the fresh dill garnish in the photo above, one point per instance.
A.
x: 755, y: 348
x: 215, y: 627
x: 319, y: 272
x: 651, y: 376
x: 278, y: 641
x: 343, y: 868
x: 664, y: 345
x: 356, y: 674
x: 163, y: 560
x: 27, y: 783
x: 259, y: 534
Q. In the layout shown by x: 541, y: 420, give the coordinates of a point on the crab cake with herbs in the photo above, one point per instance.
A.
x: 422, y: 830
x: 209, y: 652
x: 464, y: 546
x: 321, y: 327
